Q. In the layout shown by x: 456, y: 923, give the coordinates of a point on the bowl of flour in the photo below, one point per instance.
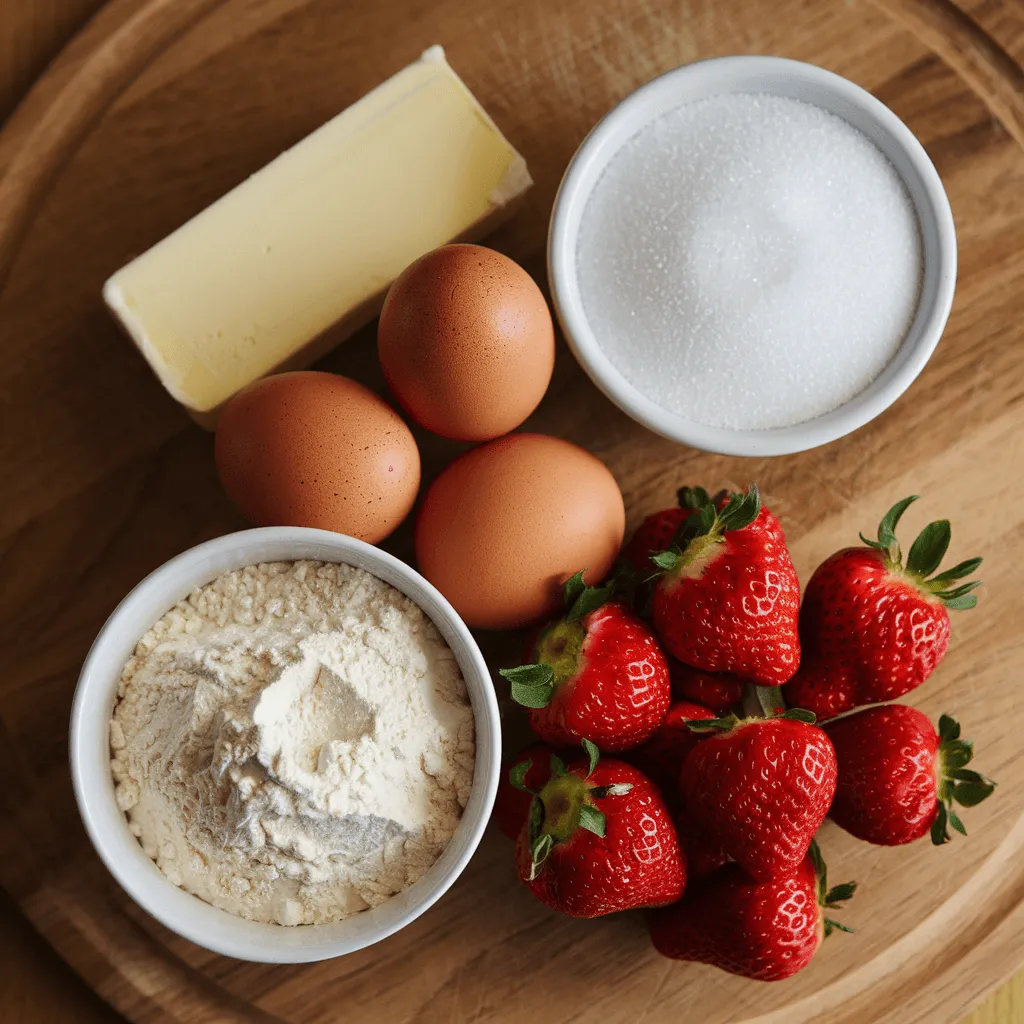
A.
x: 752, y: 256
x: 285, y: 745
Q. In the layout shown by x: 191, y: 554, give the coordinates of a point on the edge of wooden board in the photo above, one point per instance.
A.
x: 981, y: 924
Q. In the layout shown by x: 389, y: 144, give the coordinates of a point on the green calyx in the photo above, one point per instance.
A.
x: 693, y: 497
x: 581, y: 600
x: 729, y: 722
x: 518, y: 772
x: 924, y: 557
x: 829, y: 899
x: 532, y: 686
x: 956, y: 782
x: 559, y: 646
x: 564, y: 804
x: 698, y: 533
x: 704, y: 726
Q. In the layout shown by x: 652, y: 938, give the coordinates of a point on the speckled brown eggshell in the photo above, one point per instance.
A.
x: 502, y: 528
x: 315, y: 449
x: 466, y: 342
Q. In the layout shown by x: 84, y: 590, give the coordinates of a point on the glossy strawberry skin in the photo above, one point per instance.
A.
x: 714, y: 690
x: 661, y: 760
x: 761, y: 930
x: 887, y: 788
x: 868, y: 635
x: 618, y: 694
x: 761, y: 791
x: 637, y: 863
x: 703, y: 854
x: 661, y: 757
x: 655, y: 533
x: 735, y: 608
x: 511, y: 805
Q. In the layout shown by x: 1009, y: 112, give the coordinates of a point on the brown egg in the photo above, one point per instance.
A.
x: 316, y: 449
x: 503, y: 527
x: 466, y: 342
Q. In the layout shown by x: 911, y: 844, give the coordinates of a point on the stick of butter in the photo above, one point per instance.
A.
x: 250, y: 285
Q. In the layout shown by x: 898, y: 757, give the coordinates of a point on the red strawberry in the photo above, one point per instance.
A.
x: 762, y: 930
x: 600, y: 839
x: 703, y: 854
x: 727, y: 598
x: 871, y: 629
x: 598, y: 673
x: 760, y: 787
x: 654, y: 534
x: 715, y: 690
x: 898, y: 777
x: 661, y: 757
x: 512, y: 804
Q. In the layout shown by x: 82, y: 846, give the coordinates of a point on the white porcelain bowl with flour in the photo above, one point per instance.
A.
x: 752, y: 256
x: 285, y: 711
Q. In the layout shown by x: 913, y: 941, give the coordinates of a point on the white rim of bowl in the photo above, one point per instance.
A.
x: 138, y: 875
x: 880, y: 124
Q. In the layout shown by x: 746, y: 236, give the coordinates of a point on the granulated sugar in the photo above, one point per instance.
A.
x: 749, y: 261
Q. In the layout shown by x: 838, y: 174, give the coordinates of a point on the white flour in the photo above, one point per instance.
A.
x: 293, y: 742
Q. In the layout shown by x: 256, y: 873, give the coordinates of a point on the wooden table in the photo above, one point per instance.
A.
x: 35, y: 985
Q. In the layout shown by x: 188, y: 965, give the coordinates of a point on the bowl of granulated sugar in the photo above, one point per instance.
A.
x: 752, y: 256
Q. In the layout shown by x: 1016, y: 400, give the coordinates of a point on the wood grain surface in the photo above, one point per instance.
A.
x: 141, y: 123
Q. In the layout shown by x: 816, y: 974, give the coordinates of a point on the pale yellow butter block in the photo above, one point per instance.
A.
x: 250, y: 285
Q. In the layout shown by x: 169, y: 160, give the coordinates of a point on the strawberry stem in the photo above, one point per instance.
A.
x: 770, y: 700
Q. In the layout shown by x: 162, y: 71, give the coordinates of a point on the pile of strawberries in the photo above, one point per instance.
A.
x: 682, y: 665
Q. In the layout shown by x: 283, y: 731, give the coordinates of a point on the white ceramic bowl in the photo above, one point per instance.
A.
x: 90, y: 753
x: 779, y: 77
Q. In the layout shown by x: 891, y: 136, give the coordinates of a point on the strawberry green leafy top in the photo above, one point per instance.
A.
x: 563, y: 805
x: 533, y: 685
x: 708, y: 523
x: 957, y: 782
x: 924, y: 557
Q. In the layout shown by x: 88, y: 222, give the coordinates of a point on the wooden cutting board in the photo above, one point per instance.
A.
x: 156, y: 109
